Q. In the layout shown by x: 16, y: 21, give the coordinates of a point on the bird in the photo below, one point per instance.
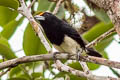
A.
x: 62, y: 35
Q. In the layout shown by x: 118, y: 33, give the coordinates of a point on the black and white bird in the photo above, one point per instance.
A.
x: 63, y: 37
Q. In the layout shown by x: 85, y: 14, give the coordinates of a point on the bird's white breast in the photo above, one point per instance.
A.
x: 68, y: 45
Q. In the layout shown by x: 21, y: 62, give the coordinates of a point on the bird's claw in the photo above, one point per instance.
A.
x: 79, y: 53
x: 54, y: 55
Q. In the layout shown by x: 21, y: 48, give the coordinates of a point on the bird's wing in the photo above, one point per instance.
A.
x: 68, y: 30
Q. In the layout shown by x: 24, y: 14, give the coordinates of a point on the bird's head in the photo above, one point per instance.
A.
x: 44, y: 16
x: 47, y: 19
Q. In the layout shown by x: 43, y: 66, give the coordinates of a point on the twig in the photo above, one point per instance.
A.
x: 31, y: 4
x: 4, y: 72
x: 37, y: 27
x: 85, y: 67
x: 94, y: 42
x: 78, y: 73
x: 115, y: 72
x: 57, y: 6
x: 18, y: 50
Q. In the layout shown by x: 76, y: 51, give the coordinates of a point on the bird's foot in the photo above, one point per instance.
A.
x: 79, y: 53
x: 54, y: 55
x: 78, y: 56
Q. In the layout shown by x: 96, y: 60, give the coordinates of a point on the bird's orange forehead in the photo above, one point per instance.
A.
x: 41, y: 13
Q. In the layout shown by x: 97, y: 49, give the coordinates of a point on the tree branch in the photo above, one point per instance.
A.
x: 61, y: 56
x: 64, y: 56
x: 37, y: 27
x: 57, y: 6
x: 101, y: 37
x: 78, y: 73
x: 31, y: 4
x: 4, y: 72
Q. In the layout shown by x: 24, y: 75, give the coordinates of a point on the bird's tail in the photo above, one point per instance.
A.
x: 92, y: 52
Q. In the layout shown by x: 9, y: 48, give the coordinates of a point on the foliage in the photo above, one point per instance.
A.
x: 32, y: 45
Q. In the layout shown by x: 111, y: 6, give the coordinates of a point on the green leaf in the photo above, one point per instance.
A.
x: 10, y: 28
x: 101, y: 14
x: 61, y: 13
x: 6, y: 15
x: 4, y: 41
x: 15, y: 72
x: 74, y: 77
x: 45, y: 5
x: 105, y: 54
x: 31, y: 43
x: 115, y: 72
x: 60, y: 74
x: 97, y: 30
x: 17, y: 78
x: 19, y: 70
x: 93, y: 66
x: 10, y: 3
x: 36, y: 74
x: 5, y: 49
x: 50, y: 7
x: 76, y: 65
x: 104, y: 43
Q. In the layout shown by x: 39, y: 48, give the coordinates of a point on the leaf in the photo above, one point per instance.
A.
x: 10, y: 28
x: 61, y: 13
x: 76, y: 65
x: 93, y: 66
x: 15, y: 72
x: 17, y: 78
x: 97, y: 30
x: 33, y: 65
x: 101, y: 14
x: 5, y: 49
x: 105, y: 54
x: 31, y: 43
x: 45, y: 5
x: 4, y: 41
x: 10, y: 3
x: 115, y: 72
x: 36, y: 74
x: 6, y: 15
x: 74, y: 77
x: 104, y: 43
x: 50, y: 7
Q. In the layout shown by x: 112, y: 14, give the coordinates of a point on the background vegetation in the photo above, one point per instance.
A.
x: 10, y: 20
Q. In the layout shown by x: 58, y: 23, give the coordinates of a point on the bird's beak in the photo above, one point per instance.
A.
x: 38, y: 17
